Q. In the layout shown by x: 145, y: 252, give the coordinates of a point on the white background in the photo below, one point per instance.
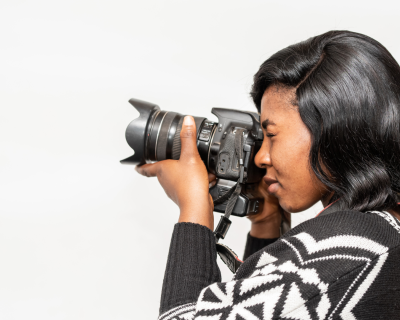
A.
x: 81, y: 236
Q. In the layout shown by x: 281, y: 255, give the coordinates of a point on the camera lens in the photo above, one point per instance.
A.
x: 155, y: 134
x: 163, y: 141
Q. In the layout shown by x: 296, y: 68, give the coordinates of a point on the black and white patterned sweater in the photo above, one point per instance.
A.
x: 344, y: 265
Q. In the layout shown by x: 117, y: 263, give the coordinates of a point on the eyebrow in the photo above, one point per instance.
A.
x: 267, y: 123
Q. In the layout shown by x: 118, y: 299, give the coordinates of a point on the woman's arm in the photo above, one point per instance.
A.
x: 191, y: 264
x: 185, y: 181
x: 254, y: 244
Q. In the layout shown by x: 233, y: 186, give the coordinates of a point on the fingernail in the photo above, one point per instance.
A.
x: 188, y: 121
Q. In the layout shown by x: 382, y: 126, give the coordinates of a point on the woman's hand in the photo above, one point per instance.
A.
x: 186, y: 181
x: 267, y: 224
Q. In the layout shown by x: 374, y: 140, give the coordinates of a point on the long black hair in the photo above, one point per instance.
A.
x: 348, y: 95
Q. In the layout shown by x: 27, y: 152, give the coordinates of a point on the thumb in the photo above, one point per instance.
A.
x: 188, y: 139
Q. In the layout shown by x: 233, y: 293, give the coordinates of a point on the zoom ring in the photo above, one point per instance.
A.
x: 176, y: 146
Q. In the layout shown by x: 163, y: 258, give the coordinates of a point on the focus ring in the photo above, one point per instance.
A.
x: 176, y: 147
x: 163, y: 136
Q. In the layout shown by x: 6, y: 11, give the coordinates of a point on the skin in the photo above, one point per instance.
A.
x: 284, y: 153
x: 191, y: 193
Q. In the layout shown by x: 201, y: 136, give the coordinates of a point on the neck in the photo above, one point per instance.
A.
x: 327, y: 197
x: 395, y: 212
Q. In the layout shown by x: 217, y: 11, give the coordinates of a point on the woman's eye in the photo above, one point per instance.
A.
x: 269, y: 135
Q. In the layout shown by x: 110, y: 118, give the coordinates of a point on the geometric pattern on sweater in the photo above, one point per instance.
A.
x: 270, y: 290
x: 298, y: 277
x: 184, y: 312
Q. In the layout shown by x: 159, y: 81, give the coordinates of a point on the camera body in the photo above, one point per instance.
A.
x: 155, y: 136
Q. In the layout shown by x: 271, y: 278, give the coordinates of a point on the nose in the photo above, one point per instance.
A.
x: 263, y: 156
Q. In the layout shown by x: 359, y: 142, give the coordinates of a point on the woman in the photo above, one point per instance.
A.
x: 330, y: 111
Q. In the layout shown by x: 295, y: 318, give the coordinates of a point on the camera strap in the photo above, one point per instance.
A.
x: 227, y: 255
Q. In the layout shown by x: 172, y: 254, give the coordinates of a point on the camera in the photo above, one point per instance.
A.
x: 155, y: 136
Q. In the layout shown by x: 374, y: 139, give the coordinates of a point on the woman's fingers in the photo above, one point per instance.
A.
x: 188, y: 139
x: 148, y: 170
x: 211, y: 177
x: 212, y: 180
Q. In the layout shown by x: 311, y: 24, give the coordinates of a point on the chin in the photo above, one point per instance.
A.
x: 293, y: 207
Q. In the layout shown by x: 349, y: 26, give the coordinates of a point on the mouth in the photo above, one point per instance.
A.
x: 273, y: 185
x: 269, y: 180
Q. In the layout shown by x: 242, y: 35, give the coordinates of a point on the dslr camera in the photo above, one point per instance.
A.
x: 155, y: 136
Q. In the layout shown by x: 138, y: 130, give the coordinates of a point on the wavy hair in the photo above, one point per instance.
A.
x: 348, y: 95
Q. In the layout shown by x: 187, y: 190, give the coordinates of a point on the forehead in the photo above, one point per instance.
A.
x: 277, y: 104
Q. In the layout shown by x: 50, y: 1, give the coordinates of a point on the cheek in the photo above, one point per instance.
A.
x: 291, y: 161
x: 290, y: 158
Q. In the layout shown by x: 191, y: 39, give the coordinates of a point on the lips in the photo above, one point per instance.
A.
x: 273, y: 185
x: 268, y: 180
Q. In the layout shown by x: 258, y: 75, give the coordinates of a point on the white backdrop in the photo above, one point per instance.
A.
x: 81, y: 236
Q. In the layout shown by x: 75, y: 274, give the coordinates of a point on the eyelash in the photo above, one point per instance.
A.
x: 269, y: 135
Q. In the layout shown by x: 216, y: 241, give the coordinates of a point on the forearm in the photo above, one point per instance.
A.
x: 200, y: 212
x: 192, y: 265
x: 254, y: 244
x: 263, y: 232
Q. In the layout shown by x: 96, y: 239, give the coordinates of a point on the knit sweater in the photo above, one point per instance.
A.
x: 343, y: 265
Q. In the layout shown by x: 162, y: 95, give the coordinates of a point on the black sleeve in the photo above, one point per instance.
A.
x: 191, y: 266
x: 255, y: 244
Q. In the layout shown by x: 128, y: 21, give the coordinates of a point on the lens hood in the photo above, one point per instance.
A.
x: 136, y: 134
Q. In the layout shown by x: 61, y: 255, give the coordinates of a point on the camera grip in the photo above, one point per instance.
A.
x: 246, y: 204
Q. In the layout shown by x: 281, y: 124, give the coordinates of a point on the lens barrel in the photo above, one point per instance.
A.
x: 164, y: 135
x: 155, y: 134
